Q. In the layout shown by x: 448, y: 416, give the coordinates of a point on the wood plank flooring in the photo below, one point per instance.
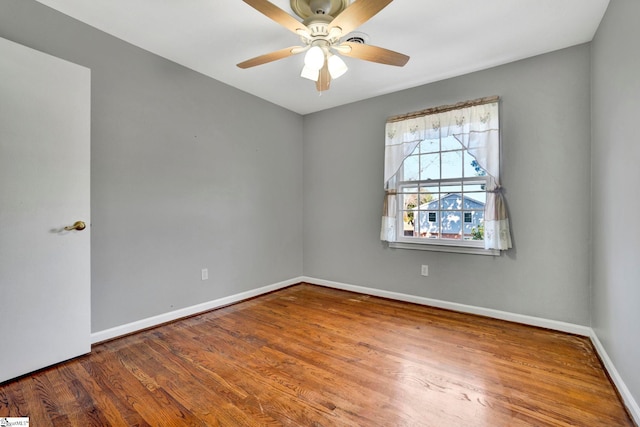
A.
x: 313, y: 356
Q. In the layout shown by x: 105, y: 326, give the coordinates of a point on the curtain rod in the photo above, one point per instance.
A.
x: 441, y: 109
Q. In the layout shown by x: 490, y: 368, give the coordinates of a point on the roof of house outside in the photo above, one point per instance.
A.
x: 449, y: 201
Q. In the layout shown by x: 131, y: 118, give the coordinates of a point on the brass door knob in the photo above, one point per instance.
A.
x: 78, y: 225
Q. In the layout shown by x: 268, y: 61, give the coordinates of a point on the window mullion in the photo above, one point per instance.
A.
x: 416, y: 215
x: 440, y: 221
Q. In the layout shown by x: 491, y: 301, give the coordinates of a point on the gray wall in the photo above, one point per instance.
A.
x: 615, y: 196
x: 545, y: 118
x: 187, y: 173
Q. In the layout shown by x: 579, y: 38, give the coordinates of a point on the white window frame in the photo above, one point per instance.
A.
x: 438, y: 244
x: 444, y: 247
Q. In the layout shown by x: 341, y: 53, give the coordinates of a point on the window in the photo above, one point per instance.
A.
x: 442, y: 179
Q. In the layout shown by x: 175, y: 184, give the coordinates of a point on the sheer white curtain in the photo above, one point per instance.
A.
x: 476, y: 125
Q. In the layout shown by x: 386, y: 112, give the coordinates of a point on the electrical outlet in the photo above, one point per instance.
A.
x: 205, y: 273
x: 425, y: 270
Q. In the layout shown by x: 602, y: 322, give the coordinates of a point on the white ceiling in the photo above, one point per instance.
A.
x: 444, y: 38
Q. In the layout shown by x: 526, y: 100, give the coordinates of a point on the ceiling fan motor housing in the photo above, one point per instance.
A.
x: 318, y: 26
x: 306, y: 8
x: 320, y: 7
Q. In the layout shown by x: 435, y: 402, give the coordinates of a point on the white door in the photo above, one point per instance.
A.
x: 44, y: 186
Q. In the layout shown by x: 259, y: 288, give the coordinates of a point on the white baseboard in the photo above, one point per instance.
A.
x: 150, y: 322
x: 629, y: 401
x: 632, y: 405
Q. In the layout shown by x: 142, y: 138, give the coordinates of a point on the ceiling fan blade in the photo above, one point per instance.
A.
x: 357, y: 13
x: 372, y: 53
x: 324, y: 79
x: 272, y: 11
x: 270, y: 57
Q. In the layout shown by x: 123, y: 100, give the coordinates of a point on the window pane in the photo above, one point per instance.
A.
x: 430, y: 191
x: 451, y: 164
x: 451, y: 143
x: 410, y: 169
x: 475, y: 230
x: 424, y: 196
x: 451, y: 188
x: 429, y: 198
x: 408, y: 223
x: 427, y: 228
x: 408, y: 199
x: 474, y: 187
x: 471, y: 166
x: 451, y: 201
x: 475, y: 200
x: 451, y: 225
x: 450, y: 197
x: 430, y: 146
x: 422, y: 224
x: 429, y: 166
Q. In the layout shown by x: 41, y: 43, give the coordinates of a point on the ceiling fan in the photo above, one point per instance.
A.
x: 321, y: 35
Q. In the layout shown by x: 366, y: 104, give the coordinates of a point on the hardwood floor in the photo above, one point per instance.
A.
x: 313, y: 356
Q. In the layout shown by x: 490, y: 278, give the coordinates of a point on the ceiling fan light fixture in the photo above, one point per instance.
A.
x: 336, y: 65
x: 314, y: 58
x: 310, y: 73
